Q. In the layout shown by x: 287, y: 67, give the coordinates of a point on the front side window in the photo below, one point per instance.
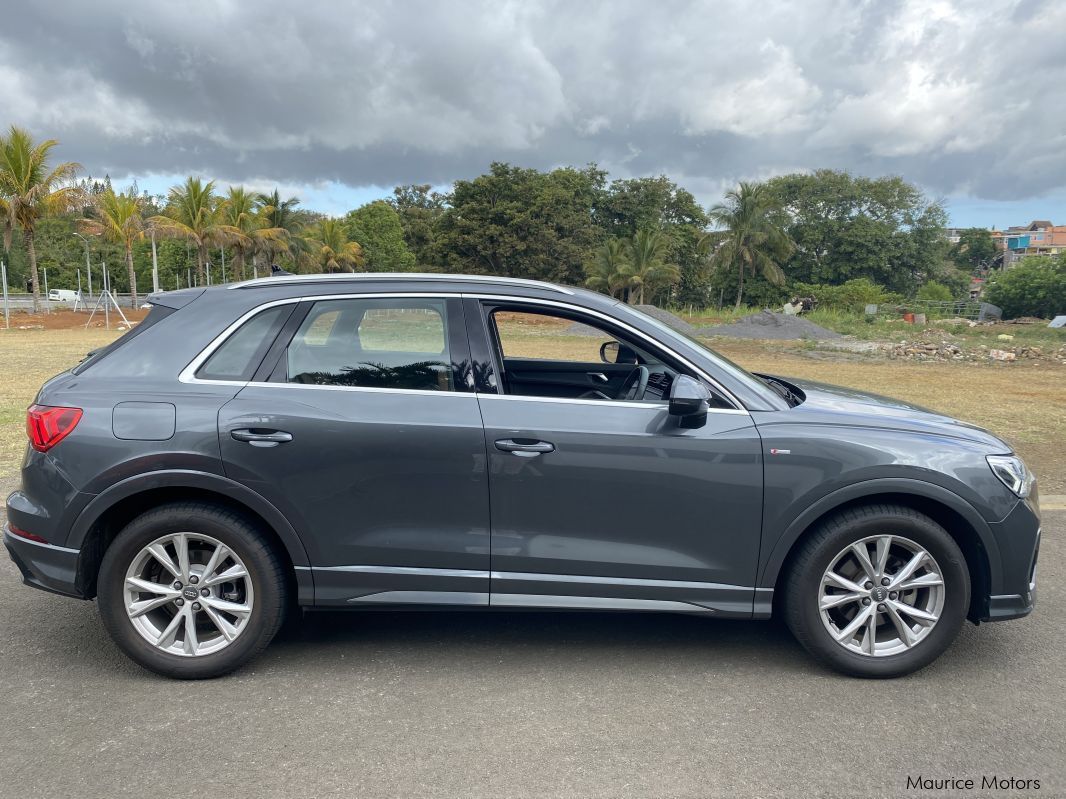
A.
x: 398, y: 343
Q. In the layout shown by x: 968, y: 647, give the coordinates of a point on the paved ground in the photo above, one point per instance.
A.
x: 509, y: 704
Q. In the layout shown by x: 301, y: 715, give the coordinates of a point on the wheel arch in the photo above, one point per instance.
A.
x: 960, y: 519
x: 103, y: 518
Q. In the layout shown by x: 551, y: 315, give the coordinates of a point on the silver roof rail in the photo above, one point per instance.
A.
x: 344, y: 277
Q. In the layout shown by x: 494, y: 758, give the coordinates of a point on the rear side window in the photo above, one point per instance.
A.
x: 241, y: 353
x: 399, y: 343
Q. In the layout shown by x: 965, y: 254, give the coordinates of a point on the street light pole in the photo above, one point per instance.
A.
x: 88, y: 270
x: 155, y: 265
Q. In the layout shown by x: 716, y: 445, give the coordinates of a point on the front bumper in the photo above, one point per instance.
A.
x: 45, y: 566
x: 1018, y: 539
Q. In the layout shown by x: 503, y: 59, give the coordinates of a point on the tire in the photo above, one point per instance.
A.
x: 223, y: 622
x: 808, y: 587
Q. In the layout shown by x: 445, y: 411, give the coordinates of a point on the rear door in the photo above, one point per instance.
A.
x: 362, y: 428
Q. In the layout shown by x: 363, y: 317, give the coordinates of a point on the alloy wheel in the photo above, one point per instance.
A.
x: 188, y: 594
x: 881, y: 595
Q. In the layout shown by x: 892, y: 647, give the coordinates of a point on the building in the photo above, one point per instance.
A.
x: 1039, y: 237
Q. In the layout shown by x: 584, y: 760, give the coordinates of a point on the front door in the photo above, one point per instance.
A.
x: 602, y: 500
x: 367, y: 437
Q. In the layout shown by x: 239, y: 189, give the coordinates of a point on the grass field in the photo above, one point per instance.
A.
x: 1024, y: 402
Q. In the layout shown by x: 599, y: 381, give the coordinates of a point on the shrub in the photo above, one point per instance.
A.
x: 1035, y: 287
x: 935, y: 292
x: 854, y: 295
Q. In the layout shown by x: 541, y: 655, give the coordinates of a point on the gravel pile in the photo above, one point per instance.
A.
x: 667, y: 318
x: 767, y: 324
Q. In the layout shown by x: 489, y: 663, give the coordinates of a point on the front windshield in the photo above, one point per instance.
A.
x: 737, y: 372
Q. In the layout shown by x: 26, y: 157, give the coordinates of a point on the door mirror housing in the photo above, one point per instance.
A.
x: 609, y: 351
x: 689, y: 401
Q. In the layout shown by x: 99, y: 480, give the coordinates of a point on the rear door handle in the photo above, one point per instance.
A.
x: 524, y: 447
x: 261, y: 438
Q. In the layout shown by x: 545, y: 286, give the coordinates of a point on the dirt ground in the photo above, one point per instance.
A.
x: 72, y: 320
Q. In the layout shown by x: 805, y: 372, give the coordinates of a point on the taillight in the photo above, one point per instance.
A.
x: 23, y: 534
x: 47, y: 426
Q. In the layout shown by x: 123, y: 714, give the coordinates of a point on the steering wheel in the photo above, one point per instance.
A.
x: 635, y: 384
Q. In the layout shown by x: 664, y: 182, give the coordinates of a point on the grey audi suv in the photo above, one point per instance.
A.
x: 376, y: 441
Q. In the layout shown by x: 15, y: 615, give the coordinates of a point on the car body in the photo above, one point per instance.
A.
x: 389, y: 442
x: 62, y: 295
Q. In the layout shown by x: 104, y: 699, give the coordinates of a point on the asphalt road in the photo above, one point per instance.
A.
x: 526, y: 704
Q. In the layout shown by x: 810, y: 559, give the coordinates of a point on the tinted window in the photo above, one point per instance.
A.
x: 157, y: 314
x: 241, y: 353
x: 373, y: 343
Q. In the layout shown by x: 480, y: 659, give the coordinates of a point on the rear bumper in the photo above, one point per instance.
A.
x: 45, y: 566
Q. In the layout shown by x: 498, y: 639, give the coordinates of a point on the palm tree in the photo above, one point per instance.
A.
x: 239, y: 211
x: 607, y: 269
x: 192, y: 213
x: 748, y: 238
x: 118, y: 219
x: 280, y: 214
x: 31, y: 190
x: 647, y: 268
x: 332, y: 249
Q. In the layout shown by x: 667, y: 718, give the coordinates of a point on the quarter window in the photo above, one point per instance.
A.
x: 241, y: 353
x: 395, y: 343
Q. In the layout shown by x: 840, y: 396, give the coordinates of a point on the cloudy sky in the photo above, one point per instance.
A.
x: 339, y: 101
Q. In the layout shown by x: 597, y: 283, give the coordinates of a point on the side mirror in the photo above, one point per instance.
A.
x: 689, y: 400
x: 609, y: 351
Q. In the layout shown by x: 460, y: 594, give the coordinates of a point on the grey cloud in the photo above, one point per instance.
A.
x: 963, y: 98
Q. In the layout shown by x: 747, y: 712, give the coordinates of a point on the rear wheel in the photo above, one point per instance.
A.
x: 191, y: 590
x: 877, y: 591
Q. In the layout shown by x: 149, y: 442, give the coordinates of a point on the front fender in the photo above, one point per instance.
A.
x: 872, y: 489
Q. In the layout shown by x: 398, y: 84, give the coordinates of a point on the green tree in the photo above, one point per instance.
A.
x: 974, y: 249
x: 648, y: 268
x: 379, y: 230
x: 239, y: 211
x: 278, y: 213
x: 118, y: 219
x: 627, y: 206
x: 1034, y: 287
x: 193, y: 213
x: 32, y: 189
x: 522, y: 223
x: 419, y: 208
x: 607, y: 269
x: 846, y: 227
x: 748, y: 239
x: 332, y: 249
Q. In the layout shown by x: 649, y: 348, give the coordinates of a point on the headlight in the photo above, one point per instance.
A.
x: 1012, y: 472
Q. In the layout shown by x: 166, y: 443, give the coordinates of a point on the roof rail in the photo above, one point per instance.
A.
x: 344, y: 277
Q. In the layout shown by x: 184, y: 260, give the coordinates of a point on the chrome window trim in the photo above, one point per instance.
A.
x: 283, y: 280
x: 188, y: 374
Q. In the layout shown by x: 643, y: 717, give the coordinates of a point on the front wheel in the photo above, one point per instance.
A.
x: 877, y: 591
x: 191, y: 590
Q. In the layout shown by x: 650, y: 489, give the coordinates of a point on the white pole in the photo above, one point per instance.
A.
x: 255, y: 266
x: 7, y: 311
x: 155, y: 265
x: 107, y: 296
x: 223, y: 251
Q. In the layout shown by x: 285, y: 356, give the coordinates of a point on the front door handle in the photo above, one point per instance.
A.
x: 524, y: 447
x: 261, y: 438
